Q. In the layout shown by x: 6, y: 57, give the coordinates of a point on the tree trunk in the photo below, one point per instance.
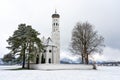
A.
x: 94, y: 65
x: 23, y: 56
x: 85, y: 55
x: 28, y: 66
x: 87, y: 59
x: 82, y: 58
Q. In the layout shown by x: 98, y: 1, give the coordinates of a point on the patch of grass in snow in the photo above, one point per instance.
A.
x: 20, y: 69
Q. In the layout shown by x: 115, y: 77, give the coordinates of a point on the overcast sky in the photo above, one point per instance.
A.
x: 103, y: 14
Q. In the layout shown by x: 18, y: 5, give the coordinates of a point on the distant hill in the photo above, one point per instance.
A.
x: 69, y: 61
x: 78, y: 61
x: 1, y: 62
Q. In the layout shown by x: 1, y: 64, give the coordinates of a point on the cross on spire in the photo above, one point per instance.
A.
x: 55, y: 11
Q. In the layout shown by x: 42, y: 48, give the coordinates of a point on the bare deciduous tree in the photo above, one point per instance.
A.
x: 86, y: 41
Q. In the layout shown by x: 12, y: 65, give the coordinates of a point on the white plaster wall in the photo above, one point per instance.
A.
x: 56, y: 38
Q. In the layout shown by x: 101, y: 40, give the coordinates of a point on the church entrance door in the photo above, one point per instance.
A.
x: 49, y: 60
x: 37, y: 59
x: 42, y: 59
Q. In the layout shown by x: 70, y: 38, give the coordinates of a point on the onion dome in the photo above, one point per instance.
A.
x: 55, y: 15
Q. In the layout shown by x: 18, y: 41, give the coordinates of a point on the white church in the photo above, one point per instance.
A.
x: 49, y: 59
x: 51, y: 53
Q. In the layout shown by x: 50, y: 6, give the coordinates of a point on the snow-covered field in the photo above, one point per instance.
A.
x: 103, y: 73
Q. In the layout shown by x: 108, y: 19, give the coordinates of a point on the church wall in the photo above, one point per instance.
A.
x: 51, y: 52
x: 56, y: 38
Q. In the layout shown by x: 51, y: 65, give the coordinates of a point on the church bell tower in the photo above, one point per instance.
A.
x: 56, y: 35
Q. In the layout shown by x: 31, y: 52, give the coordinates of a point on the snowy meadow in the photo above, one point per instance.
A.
x: 102, y: 73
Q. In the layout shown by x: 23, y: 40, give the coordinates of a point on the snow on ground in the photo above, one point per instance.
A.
x: 103, y: 73
x: 61, y: 66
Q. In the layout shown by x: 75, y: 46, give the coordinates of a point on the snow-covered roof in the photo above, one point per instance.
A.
x: 49, y: 42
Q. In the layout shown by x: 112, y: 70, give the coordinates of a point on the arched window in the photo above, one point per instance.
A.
x: 42, y: 59
x: 56, y: 24
x: 50, y: 51
x: 44, y: 51
x: 37, y: 59
x: 53, y: 24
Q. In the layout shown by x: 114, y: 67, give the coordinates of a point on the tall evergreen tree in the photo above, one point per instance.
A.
x: 24, y: 41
